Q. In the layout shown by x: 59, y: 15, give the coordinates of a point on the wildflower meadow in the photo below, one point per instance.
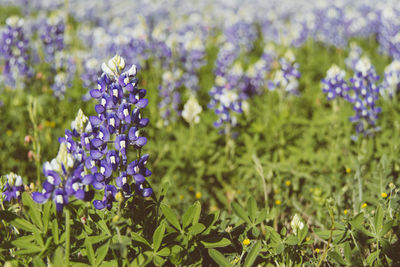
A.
x: 199, y: 133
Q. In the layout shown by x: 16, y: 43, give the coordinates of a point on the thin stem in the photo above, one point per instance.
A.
x: 67, y: 236
x: 260, y: 172
x: 323, y: 257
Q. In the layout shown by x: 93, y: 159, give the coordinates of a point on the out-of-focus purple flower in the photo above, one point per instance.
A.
x: 14, y: 49
x: 391, y: 79
x: 334, y: 84
x: 12, y: 188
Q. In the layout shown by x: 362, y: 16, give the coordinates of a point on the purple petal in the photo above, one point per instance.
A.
x: 95, y: 93
x: 147, y: 192
x: 141, y: 141
x: 98, y: 204
x: 39, y: 197
x: 142, y: 103
x: 139, y: 178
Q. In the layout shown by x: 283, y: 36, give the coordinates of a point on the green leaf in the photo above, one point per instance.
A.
x: 58, y: 255
x: 187, y: 218
x: 24, y: 242
x: 215, y: 242
x: 336, y: 234
x: 33, y: 210
x: 54, y: 230
x: 261, y: 216
x: 378, y: 220
x: 46, y: 215
x: 158, y: 236
x: 252, y: 209
x: 292, y: 240
x: 24, y: 225
x: 239, y: 211
x: 386, y: 228
x: 31, y: 250
x: 97, y: 238
x: 90, y: 252
x: 197, y: 212
x: 136, y: 237
x: 336, y: 257
x: 252, y: 255
x: 101, y: 252
x: 347, y: 251
x: 109, y: 263
x: 103, y: 226
x: 158, y: 261
x: 142, y: 259
x: 196, y: 229
x: 357, y: 220
x: 255, y: 231
x: 38, y: 262
x: 275, y: 237
x: 170, y: 216
x: 219, y: 258
x: 372, y: 257
x: 303, y: 233
x: 164, y: 252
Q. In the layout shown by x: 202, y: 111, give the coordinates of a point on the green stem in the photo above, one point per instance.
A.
x: 67, y: 236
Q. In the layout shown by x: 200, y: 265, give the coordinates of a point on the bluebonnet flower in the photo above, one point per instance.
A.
x: 52, y: 36
x: 170, y: 96
x: 14, y: 49
x: 12, y: 188
x: 364, y: 92
x: 354, y: 56
x: 389, y: 31
x: 94, y: 154
x: 391, y: 79
x: 118, y: 125
x: 286, y: 78
x: 64, y: 69
x: 334, y: 84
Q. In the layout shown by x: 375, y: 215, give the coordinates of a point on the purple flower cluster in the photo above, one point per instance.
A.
x: 65, y: 68
x: 13, y: 187
x: 94, y: 155
x: 391, y: 79
x: 224, y: 94
x: 14, y: 49
x: 354, y: 56
x: 335, y: 84
x: 52, y: 36
x: 361, y: 91
x: 363, y: 95
x: 170, y: 96
x: 286, y: 77
x: 389, y: 34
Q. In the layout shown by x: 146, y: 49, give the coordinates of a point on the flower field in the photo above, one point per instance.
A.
x: 199, y: 133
